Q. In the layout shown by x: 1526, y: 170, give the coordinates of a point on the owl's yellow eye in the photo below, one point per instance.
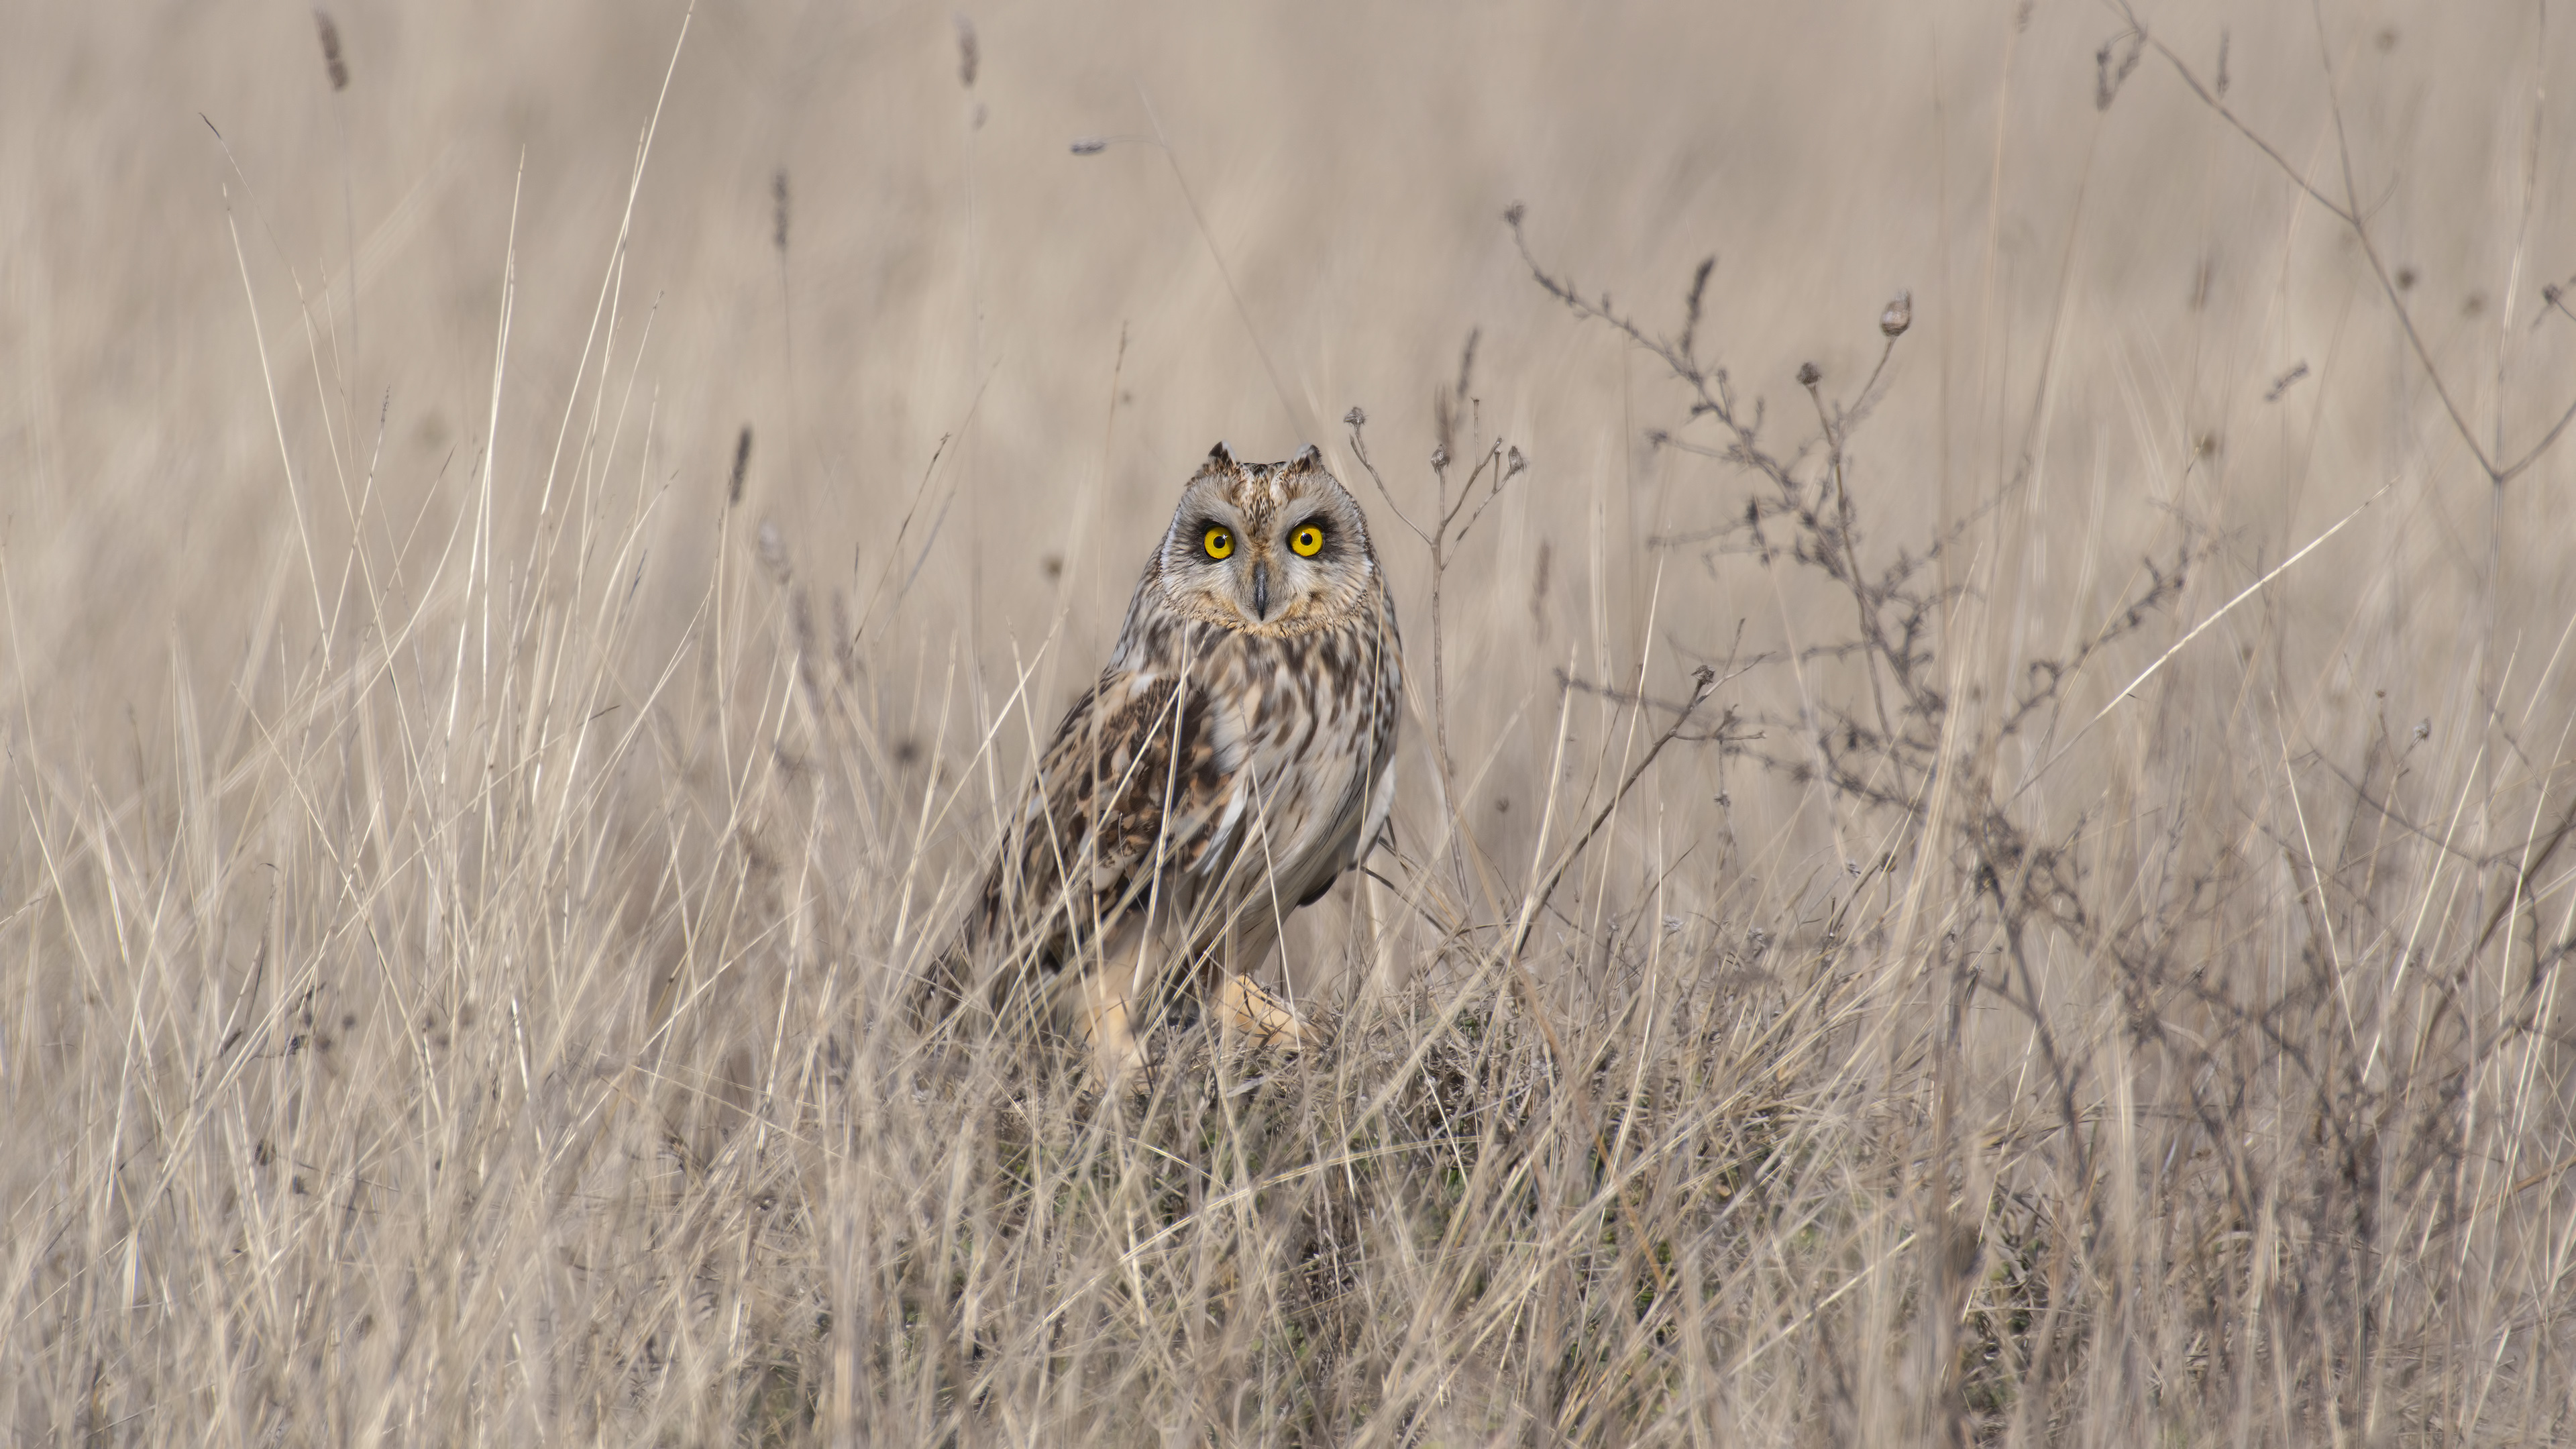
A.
x: 1307, y: 541
x: 1218, y: 542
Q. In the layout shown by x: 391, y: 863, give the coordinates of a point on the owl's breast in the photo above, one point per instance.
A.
x: 1304, y: 728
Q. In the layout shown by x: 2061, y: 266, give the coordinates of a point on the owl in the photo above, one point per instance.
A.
x: 1235, y: 758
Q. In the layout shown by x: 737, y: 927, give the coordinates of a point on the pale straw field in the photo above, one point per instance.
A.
x: 2006, y: 883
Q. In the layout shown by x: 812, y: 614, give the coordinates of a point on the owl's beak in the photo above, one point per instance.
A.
x: 1261, y: 590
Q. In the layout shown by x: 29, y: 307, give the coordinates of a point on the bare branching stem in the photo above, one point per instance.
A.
x: 1495, y: 466
x: 2499, y: 467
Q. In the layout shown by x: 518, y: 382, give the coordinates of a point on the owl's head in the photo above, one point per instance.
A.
x: 1267, y: 548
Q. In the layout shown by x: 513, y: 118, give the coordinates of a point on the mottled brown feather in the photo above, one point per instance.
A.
x: 1231, y: 761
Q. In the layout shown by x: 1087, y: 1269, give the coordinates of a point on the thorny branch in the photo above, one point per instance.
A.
x: 1884, y: 763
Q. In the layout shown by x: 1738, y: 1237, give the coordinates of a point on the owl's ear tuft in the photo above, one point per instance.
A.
x: 1221, y: 456
x: 1307, y: 457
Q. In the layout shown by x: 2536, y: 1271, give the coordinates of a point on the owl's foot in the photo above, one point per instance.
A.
x: 1246, y: 1012
x: 1117, y: 1056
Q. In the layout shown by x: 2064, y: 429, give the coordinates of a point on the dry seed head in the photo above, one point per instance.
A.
x: 1439, y: 457
x: 1089, y: 146
x: 1809, y: 374
x: 1355, y: 417
x: 967, y: 54
x: 1898, y: 316
x: 331, y: 58
x: 741, y: 466
x: 778, y: 207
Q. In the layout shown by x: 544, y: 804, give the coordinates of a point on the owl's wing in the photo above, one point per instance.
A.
x: 1129, y: 811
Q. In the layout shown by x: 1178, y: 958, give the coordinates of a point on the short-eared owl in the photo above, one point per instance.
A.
x: 1236, y: 756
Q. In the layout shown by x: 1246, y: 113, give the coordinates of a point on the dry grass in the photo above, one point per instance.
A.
x: 2087, y: 972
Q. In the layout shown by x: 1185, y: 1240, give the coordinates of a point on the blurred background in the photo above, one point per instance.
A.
x: 974, y: 364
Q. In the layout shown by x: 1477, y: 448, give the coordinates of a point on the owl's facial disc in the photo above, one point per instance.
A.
x: 1270, y: 548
